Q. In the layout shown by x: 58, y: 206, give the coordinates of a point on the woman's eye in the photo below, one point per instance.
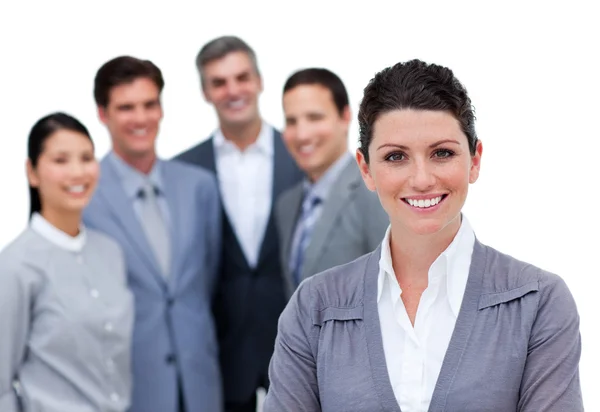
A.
x: 395, y: 157
x: 443, y: 153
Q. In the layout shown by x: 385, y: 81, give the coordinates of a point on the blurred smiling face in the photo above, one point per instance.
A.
x: 315, y: 133
x: 66, y: 173
x: 421, y: 168
x: 233, y: 86
x: 132, y: 116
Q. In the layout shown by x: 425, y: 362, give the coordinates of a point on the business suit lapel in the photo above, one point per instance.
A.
x: 373, y: 337
x: 206, y: 156
x: 462, y: 328
x: 283, y: 177
x: 207, y: 159
x: 337, y: 199
x: 289, y: 210
x: 283, y: 166
x: 116, y: 201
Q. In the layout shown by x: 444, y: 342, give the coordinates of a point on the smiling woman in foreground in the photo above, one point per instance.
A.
x: 432, y: 320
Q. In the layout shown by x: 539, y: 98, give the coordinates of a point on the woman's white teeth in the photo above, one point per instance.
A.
x: 424, y: 202
x: 139, y: 132
x: 76, y: 189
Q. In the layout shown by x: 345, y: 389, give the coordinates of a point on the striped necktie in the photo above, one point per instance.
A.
x: 306, y: 224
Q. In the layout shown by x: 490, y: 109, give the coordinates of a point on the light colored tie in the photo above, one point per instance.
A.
x: 305, y: 227
x: 155, y: 228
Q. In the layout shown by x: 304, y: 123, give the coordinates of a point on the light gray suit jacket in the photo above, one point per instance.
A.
x: 352, y: 223
x: 515, y: 347
x: 174, y: 336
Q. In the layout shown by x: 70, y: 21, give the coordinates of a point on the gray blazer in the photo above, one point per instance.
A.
x: 352, y: 224
x: 515, y: 347
x: 174, y: 337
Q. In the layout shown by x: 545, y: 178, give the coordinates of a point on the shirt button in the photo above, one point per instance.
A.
x: 108, y: 327
x: 94, y: 293
x: 114, y: 397
x: 110, y: 364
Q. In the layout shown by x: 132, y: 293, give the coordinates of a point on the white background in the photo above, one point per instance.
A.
x: 531, y: 70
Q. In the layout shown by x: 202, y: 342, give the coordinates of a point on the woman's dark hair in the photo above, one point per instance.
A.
x: 40, y: 132
x: 419, y: 86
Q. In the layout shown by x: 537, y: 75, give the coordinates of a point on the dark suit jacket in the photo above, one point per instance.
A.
x: 248, y: 301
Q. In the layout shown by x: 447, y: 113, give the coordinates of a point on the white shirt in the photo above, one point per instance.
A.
x: 246, y: 185
x: 57, y: 236
x: 414, y: 356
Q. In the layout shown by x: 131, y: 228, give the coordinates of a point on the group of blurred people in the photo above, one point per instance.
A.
x: 145, y: 284
x: 150, y: 285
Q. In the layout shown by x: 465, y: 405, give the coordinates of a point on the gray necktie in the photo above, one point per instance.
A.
x: 155, y: 227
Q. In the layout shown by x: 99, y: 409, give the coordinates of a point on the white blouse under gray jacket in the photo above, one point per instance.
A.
x: 66, y: 318
x: 515, y: 347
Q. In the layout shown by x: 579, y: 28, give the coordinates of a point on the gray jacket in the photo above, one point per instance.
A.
x: 515, y: 347
x: 352, y: 224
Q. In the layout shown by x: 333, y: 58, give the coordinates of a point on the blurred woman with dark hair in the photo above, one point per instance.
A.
x: 67, y: 313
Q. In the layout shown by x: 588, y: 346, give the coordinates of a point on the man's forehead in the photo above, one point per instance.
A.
x: 231, y: 65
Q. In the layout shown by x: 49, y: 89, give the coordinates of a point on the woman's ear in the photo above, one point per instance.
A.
x: 476, y: 163
x: 365, y: 171
x: 32, y: 176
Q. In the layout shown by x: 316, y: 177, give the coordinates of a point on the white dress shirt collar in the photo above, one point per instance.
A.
x: 57, y: 236
x: 452, y: 264
x: 263, y: 143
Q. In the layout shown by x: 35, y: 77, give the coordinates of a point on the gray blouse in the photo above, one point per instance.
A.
x: 66, y: 319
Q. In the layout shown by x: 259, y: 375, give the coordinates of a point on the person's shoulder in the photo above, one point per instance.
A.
x: 368, y: 199
x: 18, y: 249
x: 190, y: 155
x: 362, y: 194
x: 276, y: 131
x: 289, y: 193
x: 366, y: 205
x: 506, y: 272
x: 28, y: 252
x: 189, y: 172
x: 341, y: 286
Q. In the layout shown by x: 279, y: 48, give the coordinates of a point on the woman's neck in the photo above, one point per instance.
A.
x: 413, y: 255
x: 66, y: 222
